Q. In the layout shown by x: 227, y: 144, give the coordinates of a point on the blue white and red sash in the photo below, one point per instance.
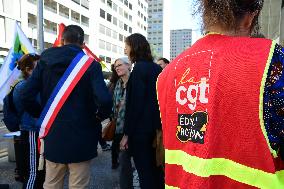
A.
x: 63, y: 89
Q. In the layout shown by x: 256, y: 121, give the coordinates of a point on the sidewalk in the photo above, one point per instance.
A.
x: 103, y: 177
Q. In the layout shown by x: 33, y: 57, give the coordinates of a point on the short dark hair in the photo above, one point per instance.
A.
x: 140, y: 48
x: 73, y: 34
x: 165, y: 60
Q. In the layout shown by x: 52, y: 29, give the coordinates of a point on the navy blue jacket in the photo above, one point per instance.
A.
x: 28, y: 123
x: 74, y: 134
x: 142, y: 115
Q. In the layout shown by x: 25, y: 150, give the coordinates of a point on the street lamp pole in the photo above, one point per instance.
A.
x: 40, y: 39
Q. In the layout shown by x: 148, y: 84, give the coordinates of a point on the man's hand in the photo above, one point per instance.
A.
x: 124, y: 143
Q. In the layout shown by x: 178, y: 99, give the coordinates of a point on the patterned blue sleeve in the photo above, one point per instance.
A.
x: 274, y: 100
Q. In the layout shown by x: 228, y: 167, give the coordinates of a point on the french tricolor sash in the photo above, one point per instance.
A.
x: 63, y: 89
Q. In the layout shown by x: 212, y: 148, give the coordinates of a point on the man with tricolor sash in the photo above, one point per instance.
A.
x: 222, y: 105
x: 74, y: 100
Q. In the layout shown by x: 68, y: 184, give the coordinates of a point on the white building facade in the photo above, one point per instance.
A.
x: 106, y: 23
x: 180, y: 40
x: 270, y: 19
x: 158, y: 27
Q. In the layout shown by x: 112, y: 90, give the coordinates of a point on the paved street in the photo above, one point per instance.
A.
x: 103, y: 177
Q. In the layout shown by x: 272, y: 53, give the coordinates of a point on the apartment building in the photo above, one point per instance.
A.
x: 158, y: 27
x: 180, y: 40
x: 106, y: 23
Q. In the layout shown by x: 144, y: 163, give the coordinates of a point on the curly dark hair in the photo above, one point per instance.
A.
x: 140, y: 48
x: 27, y: 63
x: 228, y: 13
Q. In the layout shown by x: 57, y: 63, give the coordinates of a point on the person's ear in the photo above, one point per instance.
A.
x: 247, y: 22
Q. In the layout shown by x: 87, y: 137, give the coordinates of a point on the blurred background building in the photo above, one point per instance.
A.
x: 272, y: 20
x: 180, y: 40
x: 159, y: 28
x: 106, y: 22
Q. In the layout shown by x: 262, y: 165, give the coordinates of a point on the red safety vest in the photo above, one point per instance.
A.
x: 211, y: 103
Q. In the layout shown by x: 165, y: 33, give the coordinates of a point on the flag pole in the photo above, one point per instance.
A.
x: 40, y: 38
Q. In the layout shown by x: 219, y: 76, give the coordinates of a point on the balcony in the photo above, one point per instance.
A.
x: 76, y: 1
x: 75, y: 16
x: 85, y: 21
x: 63, y: 11
x: 50, y: 27
x: 85, y: 4
x: 50, y: 5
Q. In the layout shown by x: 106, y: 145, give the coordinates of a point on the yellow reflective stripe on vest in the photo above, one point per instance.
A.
x: 262, y: 87
x: 221, y: 166
x: 171, y: 187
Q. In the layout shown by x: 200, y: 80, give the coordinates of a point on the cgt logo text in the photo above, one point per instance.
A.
x: 195, y: 91
x: 192, y: 127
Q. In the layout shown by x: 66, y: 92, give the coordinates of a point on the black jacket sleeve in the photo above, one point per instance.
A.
x: 135, y: 97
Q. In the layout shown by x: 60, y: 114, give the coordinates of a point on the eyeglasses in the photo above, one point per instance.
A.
x: 117, y: 66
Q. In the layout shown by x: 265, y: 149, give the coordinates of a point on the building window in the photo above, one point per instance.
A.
x: 126, y: 2
x: 103, y: 1
x: 125, y: 15
x: 121, y: 24
x: 109, y: 3
x: 114, y: 20
x: 125, y: 27
x: 50, y: 27
x: 84, y: 20
x: 130, y: 30
x: 85, y: 4
x: 130, y: 6
x: 130, y: 17
x: 75, y: 16
x: 32, y: 21
x: 114, y: 7
x: 114, y: 34
x: 120, y: 37
x: 76, y: 1
x: 108, y: 32
x: 114, y: 48
x: 109, y: 17
x: 102, y: 44
x: 63, y: 11
x: 108, y: 46
x: 120, y: 11
x: 50, y: 5
x: 102, y: 13
x: 102, y: 29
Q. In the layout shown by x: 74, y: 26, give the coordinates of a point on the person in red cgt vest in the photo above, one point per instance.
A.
x: 222, y: 105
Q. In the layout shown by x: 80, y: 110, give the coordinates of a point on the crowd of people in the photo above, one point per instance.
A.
x: 168, y: 124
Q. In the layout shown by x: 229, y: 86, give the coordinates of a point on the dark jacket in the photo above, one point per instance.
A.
x: 142, y: 114
x: 74, y: 134
x: 28, y: 123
